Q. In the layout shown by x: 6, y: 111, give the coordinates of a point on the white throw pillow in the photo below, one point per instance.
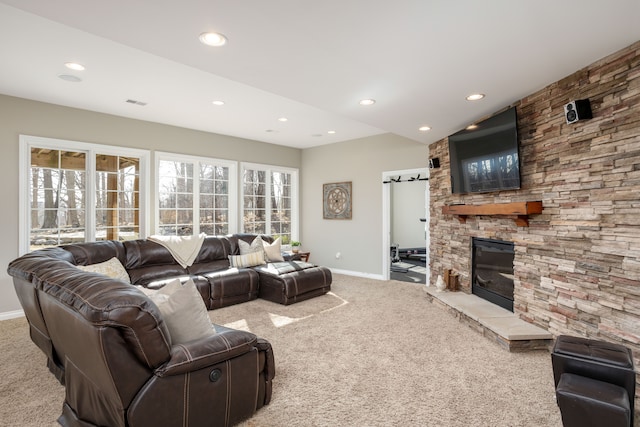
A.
x: 273, y: 251
x: 112, y: 268
x: 183, y: 311
x: 246, y: 248
x: 247, y: 260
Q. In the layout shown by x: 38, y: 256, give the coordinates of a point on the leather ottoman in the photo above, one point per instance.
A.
x: 598, y: 360
x: 289, y: 282
x: 586, y: 402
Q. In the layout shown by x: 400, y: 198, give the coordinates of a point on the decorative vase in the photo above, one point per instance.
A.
x: 440, y: 285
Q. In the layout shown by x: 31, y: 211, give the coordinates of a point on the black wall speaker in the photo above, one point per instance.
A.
x: 580, y: 109
x: 434, y: 163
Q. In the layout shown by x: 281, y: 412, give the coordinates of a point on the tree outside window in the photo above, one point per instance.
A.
x: 77, y: 192
x: 268, y: 201
x: 195, y: 195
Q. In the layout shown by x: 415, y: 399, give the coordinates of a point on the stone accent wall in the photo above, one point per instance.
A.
x: 577, y: 266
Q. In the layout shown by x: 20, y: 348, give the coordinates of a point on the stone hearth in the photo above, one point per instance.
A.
x: 493, y: 322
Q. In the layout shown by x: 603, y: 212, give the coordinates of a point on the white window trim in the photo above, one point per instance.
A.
x: 26, y: 142
x: 233, y: 187
x: 295, y: 196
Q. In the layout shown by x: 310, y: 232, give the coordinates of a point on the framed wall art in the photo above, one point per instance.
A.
x: 337, y: 200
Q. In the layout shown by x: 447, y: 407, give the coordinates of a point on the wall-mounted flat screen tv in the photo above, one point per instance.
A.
x: 485, y: 158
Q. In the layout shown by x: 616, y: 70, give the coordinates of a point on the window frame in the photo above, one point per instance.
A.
x: 27, y: 142
x: 295, y: 195
x: 196, y: 160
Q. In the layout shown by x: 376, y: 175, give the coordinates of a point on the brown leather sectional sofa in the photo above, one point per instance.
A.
x: 107, y: 343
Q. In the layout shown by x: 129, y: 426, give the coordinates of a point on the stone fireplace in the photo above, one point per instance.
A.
x: 576, y: 264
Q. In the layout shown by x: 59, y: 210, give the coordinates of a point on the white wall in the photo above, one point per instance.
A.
x: 21, y: 116
x: 407, y: 207
x: 362, y: 161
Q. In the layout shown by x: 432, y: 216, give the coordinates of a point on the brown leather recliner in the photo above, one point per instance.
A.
x: 108, y: 344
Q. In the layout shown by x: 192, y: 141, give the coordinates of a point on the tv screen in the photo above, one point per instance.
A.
x: 485, y: 158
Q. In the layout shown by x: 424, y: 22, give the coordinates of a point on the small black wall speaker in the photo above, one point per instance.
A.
x: 580, y: 109
x: 434, y: 163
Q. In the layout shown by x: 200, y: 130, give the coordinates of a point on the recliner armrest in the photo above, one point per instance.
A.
x: 207, y: 351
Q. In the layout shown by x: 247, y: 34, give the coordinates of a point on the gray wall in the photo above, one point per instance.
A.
x: 361, y: 161
x: 21, y: 116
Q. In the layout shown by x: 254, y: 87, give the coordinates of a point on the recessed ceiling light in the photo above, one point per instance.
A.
x: 74, y: 66
x: 282, y: 119
x: 135, y: 102
x: 218, y: 103
x: 331, y: 132
x: 367, y: 102
x: 471, y: 127
x: 475, y: 96
x: 424, y: 128
x: 213, y: 39
x: 316, y: 135
x: 70, y: 78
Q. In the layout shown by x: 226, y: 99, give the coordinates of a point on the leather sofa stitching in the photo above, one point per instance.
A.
x: 208, y: 355
x: 227, y: 411
x: 185, y: 403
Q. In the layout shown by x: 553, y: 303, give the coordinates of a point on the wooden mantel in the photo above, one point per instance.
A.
x: 521, y: 210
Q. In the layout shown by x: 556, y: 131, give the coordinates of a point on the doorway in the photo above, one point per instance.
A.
x: 405, y: 225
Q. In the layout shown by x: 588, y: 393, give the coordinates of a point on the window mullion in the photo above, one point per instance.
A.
x: 195, y: 202
x: 267, y: 204
x: 90, y: 197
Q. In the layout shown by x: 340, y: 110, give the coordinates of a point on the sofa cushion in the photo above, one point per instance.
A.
x: 249, y: 248
x: 246, y: 237
x: 148, y: 261
x: 247, y: 260
x: 231, y: 286
x: 183, y: 311
x: 273, y: 251
x: 111, y: 268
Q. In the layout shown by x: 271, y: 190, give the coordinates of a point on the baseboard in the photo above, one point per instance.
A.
x: 357, y: 274
x: 11, y: 314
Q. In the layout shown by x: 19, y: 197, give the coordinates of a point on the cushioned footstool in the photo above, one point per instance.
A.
x: 598, y: 360
x: 586, y: 402
x: 292, y: 281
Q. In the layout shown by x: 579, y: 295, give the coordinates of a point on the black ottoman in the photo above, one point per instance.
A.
x: 586, y: 402
x: 598, y: 360
x: 292, y: 281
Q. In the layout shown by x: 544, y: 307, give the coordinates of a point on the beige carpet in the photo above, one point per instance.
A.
x: 370, y: 353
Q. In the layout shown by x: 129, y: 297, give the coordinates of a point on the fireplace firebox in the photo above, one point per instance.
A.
x: 492, y: 271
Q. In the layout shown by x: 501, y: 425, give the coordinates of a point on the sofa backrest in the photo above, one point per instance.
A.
x: 213, y: 256
x: 73, y: 309
x: 95, y: 252
x: 109, y: 335
x: 246, y: 237
x: 24, y: 271
x: 148, y: 261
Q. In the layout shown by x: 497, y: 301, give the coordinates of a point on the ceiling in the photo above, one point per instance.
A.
x: 308, y: 61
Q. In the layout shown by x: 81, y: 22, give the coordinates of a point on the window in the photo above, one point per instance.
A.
x: 195, y: 195
x: 270, y: 200
x: 79, y: 192
x: 117, y: 197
